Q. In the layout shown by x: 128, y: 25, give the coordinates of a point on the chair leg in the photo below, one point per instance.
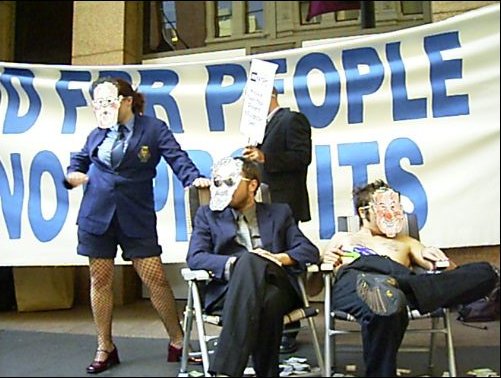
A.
x: 316, y: 345
x: 450, y: 347
x: 187, y: 327
x: 431, y: 350
x: 327, y: 316
x: 313, y: 329
x: 202, y: 338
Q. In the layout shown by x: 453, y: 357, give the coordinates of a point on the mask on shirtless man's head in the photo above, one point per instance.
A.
x: 388, y: 210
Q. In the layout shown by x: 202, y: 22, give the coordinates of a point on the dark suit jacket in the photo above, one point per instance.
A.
x: 213, y: 242
x: 287, y: 149
x: 128, y: 189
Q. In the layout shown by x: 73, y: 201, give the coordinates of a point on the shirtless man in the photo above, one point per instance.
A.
x: 374, y: 281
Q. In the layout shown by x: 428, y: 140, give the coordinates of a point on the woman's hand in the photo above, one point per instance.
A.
x: 201, y: 182
x: 77, y: 178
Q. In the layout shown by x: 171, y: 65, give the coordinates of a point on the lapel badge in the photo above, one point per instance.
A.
x: 144, y: 154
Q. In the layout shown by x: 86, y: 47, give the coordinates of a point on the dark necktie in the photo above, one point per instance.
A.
x: 117, y: 150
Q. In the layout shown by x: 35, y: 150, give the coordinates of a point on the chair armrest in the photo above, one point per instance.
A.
x: 195, y: 275
x: 323, y: 267
x: 327, y: 267
x: 312, y: 268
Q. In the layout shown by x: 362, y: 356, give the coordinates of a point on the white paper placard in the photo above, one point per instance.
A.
x: 257, y: 100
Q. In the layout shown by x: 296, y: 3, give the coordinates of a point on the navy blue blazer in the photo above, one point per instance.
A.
x: 128, y: 189
x: 213, y: 242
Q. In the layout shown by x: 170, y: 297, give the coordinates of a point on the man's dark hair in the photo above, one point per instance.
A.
x: 250, y: 169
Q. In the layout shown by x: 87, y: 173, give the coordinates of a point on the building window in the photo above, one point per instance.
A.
x: 169, y: 28
x: 160, y: 27
x: 223, y: 18
x: 411, y: 7
x: 347, y: 15
x: 255, y: 16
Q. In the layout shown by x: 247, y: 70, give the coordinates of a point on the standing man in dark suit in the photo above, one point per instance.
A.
x: 254, y: 251
x: 118, y: 163
x: 285, y: 155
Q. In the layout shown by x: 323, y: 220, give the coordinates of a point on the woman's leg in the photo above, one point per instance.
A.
x: 152, y: 273
x: 101, y: 298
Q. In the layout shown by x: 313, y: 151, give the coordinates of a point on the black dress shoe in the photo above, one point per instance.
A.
x: 99, y: 366
x: 381, y: 293
x: 288, y: 344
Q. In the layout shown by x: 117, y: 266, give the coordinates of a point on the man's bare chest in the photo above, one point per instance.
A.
x: 377, y: 244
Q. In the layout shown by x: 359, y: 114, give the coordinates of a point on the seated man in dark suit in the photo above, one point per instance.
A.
x: 254, y: 251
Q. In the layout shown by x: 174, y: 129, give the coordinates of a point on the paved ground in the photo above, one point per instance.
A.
x: 61, y: 343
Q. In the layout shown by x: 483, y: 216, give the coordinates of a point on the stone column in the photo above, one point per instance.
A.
x: 7, y: 14
x: 107, y: 32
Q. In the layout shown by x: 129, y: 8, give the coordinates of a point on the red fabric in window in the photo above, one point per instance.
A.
x: 320, y: 7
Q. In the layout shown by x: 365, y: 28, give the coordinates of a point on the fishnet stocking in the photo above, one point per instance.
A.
x: 101, y: 299
x: 152, y: 273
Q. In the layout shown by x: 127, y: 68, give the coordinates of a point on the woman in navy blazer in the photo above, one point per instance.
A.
x: 117, y: 207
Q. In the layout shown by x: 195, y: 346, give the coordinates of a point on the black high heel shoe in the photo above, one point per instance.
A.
x: 99, y: 366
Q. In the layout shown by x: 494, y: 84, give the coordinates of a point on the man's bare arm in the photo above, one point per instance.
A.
x: 429, y: 258
x: 335, y: 252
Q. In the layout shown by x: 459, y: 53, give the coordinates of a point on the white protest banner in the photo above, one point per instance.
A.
x: 418, y: 108
x: 257, y: 100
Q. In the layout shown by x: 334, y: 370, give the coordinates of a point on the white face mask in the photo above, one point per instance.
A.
x: 105, y: 104
x: 226, y: 175
x: 388, y: 210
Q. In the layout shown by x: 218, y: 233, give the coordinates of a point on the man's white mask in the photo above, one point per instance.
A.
x: 388, y: 211
x: 225, y: 177
x: 105, y: 104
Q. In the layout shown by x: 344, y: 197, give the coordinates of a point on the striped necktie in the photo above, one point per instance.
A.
x: 117, y: 150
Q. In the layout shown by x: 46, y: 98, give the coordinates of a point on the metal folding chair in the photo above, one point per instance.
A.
x: 194, y: 311
x: 439, y: 320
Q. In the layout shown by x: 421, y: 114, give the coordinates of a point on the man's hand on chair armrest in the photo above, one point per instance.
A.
x: 436, y: 259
